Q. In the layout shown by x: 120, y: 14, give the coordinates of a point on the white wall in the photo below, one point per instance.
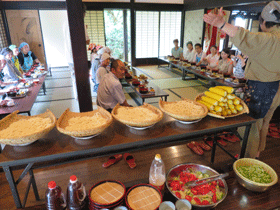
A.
x: 193, y: 26
x: 55, y: 30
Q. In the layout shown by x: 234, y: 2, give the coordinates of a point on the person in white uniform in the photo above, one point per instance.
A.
x: 189, y: 52
x: 110, y: 91
x: 102, y: 70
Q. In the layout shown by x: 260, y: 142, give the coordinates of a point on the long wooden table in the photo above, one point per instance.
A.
x: 57, y: 148
x: 198, y: 73
x: 24, y: 105
x: 159, y: 93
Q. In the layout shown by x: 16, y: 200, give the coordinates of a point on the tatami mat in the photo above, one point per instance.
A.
x: 176, y: 83
x: 155, y: 73
x: 56, y: 94
x: 190, y: 92
x: 57, y: 107
x: 55, y: 83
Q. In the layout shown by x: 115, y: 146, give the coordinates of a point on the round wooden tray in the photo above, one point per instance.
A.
x: 245, y: 108
x: 106, y: 193
x: 143, y: 197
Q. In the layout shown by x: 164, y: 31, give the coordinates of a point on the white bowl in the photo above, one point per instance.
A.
x: 183, y: 204
x: 167, y: 205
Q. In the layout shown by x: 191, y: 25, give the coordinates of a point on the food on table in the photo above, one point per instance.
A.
x: 84, y: 124
x: 135, y: 82
x: 142, y: 76
x: 143, y: 89
x: 152, y: 90
x: 185, y: 110
x: 19, y: 129
x: 128, y: 75
x: 218, y: 91
x: 205, y: 194
x: 24, y: 127
x: 141, y: 116
x: 221, y: 101
x: 255, y: 173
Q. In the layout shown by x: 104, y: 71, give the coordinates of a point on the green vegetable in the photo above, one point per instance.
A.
x: 219, y: 195
x: 255, y: 173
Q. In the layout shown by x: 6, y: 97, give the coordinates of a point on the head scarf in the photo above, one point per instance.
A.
x: 22, y: 45
x: 268, y: 13
x: 104, y: 57
x: 12, y: 47
x: 6, y: 51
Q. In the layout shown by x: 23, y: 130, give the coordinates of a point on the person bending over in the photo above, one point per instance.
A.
x: 102, y: 70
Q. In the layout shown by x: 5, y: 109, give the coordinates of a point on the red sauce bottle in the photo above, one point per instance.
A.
x: 76, y: 194
x: 55, y: 199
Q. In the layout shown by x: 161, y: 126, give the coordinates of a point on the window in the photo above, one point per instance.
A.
x: 147, y: 30
x: 95, y: 28
x: 3, y: 37
x: 170, y: 29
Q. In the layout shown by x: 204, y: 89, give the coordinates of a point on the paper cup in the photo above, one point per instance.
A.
x: 183, y: 204
x: 167, y: 205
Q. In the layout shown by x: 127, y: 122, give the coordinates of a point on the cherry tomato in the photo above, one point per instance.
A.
x: 221, y: 184
x: 189, y: 198
x: 178, y: 195
x: 197, y: 200
x: 205, y: 202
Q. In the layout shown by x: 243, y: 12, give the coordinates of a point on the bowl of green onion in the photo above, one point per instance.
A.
x: 254, y: 175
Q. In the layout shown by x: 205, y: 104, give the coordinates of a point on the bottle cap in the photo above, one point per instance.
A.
x: 51, y: 185
x: 158, y: 157
x: 73, y: 178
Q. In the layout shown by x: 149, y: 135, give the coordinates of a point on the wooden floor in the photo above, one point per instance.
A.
x: 91, y: 171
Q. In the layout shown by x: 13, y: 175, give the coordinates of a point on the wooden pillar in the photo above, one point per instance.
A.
x: 133, y: 34
x: 78, y: 42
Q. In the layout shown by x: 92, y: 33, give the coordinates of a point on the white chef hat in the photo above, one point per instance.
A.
x: 104, y: 57
x: 271, y: 12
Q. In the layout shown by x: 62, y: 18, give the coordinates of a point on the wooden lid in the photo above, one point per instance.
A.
x: 143, y: 198
x: 107, y: 193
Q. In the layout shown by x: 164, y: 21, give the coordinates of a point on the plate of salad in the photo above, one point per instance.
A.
x: 203, y: 196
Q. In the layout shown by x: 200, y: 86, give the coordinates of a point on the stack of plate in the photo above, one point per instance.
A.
x: 143, y: 197
x: 106, y: 195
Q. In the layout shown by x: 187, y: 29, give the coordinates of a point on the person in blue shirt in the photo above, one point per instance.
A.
x: 177, y: 51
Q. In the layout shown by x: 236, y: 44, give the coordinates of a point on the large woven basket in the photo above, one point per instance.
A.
x: 138, y: 123
x: 183, y: 117
x: 67, y: 115
x: 245, y: 109
x: 27, y: 139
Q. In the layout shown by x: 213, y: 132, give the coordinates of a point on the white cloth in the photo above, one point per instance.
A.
x: 110, y: 92
x: 101, y: 71
x: 104, y: 57
x: 213, y: 60
x: 188, y: 55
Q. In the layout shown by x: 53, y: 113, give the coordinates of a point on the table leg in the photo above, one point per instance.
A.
x: 13, y: 184
x: 245, y: 141
x: 165, y: 98
x: 143, y: 100
x: 29, y: 114
x: 33, y: 182
x: 213, y: 149
x: 184, y: 74
x: 11, y: 180
x: 44, y: 87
